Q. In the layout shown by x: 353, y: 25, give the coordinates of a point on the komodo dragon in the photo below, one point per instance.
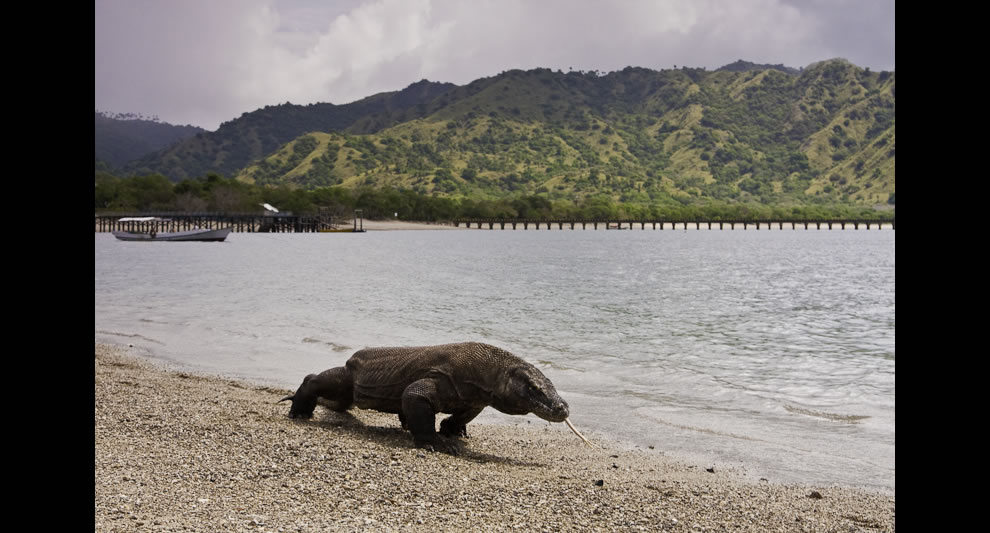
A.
x: 417, y: 383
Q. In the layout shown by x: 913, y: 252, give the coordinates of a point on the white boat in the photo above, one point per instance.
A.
x: 216, y: 235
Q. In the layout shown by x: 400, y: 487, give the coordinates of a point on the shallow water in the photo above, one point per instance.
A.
x: 767, y: 350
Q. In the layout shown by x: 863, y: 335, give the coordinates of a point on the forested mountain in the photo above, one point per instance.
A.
x: 123, y: 137
x: 744, y: 133
x: 257, y: 134
x: 741, y: 66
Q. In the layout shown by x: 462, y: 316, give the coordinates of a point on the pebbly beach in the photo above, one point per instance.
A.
x: 176, y: 451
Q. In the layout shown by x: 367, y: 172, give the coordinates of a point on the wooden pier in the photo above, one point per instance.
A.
x: 673, y: 224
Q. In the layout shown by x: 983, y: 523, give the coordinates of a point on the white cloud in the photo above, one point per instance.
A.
x: 357, y: 45
x: 198, y: 62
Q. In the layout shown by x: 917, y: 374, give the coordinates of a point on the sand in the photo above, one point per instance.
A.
x: 182, y: 452
x: 393, y: 225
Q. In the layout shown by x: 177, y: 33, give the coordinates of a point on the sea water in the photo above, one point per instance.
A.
x: 766, y: 351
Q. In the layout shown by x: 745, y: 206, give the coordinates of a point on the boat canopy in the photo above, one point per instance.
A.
x: 139, y: 219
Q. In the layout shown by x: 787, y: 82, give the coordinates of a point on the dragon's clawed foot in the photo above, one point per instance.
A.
x: 440, y: 444
x: 451, y: 430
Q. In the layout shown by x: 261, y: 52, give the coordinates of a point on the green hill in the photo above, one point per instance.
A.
x: 120, y: 138
x: 257, y: 134
x: 766, y: 135
x: 744, y: 133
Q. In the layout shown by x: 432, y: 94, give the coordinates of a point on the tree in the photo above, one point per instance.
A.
x: 151, y: 192
x: 107, y: 192
x: 226, y: 199
x: 188, y: 202
x: 599, y: 207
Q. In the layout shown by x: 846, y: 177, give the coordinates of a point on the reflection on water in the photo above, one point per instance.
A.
x: 770, y: 349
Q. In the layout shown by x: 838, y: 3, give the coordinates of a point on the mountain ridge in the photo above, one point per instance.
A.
x: 258, y: 133
x: 743, y: 132
x: 123, y: 137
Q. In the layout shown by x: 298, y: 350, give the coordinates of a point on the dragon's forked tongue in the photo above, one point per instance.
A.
x: 578, y: 433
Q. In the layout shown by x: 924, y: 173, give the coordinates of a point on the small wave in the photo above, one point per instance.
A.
x: 333, y: 345
x: 703, y: 430
x: 851, y: 419
x: 132, y: 335
x: 555, y: 365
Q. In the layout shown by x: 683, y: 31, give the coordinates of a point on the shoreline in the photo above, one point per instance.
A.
x: 179, y: 451
x: 399, y: 225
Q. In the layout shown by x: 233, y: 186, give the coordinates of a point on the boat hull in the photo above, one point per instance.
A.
x: 196, y: 235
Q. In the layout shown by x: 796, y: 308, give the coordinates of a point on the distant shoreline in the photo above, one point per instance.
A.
x: 397, y: 225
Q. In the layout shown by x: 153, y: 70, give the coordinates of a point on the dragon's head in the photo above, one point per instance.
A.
x: 526, y: 390
x: 303, y: 401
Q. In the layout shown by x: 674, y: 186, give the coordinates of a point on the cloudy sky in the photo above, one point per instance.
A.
x: 206, y: 62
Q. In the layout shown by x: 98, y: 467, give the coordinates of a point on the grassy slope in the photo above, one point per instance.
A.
x: 635, y: 135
